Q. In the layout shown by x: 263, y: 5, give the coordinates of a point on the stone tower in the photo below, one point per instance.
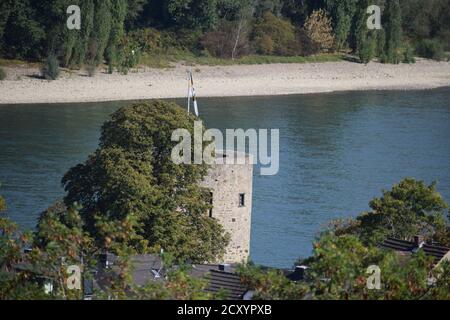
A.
x: 232, y: 191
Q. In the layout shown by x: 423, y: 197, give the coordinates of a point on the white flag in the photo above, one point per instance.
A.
x: 195, y: 107
x: 191, y: 94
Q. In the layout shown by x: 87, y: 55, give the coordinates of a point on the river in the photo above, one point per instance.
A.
x: 337, y: 152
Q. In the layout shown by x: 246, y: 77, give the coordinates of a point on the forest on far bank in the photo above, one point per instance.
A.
x: 124, y: 33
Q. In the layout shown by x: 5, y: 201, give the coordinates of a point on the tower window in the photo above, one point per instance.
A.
x: 242, y: 200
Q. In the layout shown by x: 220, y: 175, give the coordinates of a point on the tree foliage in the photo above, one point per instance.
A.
x: 393, y: 26
x: 410, y: 208
x: 273, y: 35
x: 131, y: 175
x: 342, y: 14
x: 338, y: 271
x: 318, y: 29
x: 365, y: 38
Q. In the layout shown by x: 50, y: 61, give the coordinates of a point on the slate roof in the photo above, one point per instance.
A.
x: 146, y: 268
x: 438, y: 252
x: 229, y: 283
x: 221, y: 281
x: 409, y: 247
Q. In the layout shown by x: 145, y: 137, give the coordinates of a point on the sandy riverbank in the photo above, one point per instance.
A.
x: 22, y: 85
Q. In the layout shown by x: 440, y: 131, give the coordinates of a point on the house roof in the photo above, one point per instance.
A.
x: 225, y: 280
x: 409, y: 247
x: 438, y: 252
x: 145, y: 268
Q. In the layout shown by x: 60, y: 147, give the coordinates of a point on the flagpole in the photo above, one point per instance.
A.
x: 189, y: 92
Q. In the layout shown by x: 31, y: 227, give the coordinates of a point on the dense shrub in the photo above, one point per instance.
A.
x: 222, y: 42
x: 2, y: 74
x: 129, y: 55
x: 408, y: 55
x: 431, y: 49
x: 273, y: 35
x: 91, y: 69
x: 185, y: 39
x: 148, y: 40
x: 50, y: 68
x: 366, y: 49
x: 306, y: 46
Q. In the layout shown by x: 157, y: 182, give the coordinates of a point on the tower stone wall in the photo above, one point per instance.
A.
x: 232, y: 192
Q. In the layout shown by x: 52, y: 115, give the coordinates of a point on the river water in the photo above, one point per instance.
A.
x: 337, y: 152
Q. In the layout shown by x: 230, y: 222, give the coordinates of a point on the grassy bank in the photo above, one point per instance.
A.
x: 167, y: 60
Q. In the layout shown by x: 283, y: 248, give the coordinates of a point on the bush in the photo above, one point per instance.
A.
x: 50, y: 69
x: 307, y: 47
x: 148, y: 40
x: 184, y: 39
x: 2, y: 74
x: 272, y: 35
x: 408, y: 55
x: 91, y: 69
x: 366, y: 49
x: 430, y: 49
x: 221, y: 43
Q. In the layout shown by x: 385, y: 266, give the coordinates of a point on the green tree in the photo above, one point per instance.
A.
x: 195, y: 14
x: 338, y: 271
x: 299, y: 10
x: 81, y: 46
x: 59, y: 242
x: 21, y: 34
x: 134, y: 10
x: 342, y: 14
x: 433, y: 22
x: 273, y: 35
x: 131, y: 174
x: 410, y: 208
x: 118, y: 13
x: 393, y: 29
x: 365, y: 38
x: 102, y: 27
x: 15, y: 284
x: 271, y: 284
x: 263, y: 6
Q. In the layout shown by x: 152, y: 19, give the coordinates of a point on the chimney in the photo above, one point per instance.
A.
x: 300, y: 272
x: 224, y: 267
x: 106, y: 260
x: 418, y: 241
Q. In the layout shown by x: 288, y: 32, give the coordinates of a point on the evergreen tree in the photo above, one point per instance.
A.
x: 365, y: 38
x: 118, y: 15
x: 393, y: 27
x: 22, y: 36
x: 342, y: 13
x: 79, y: 56
x: 102, y: 28
x: 195, y: 14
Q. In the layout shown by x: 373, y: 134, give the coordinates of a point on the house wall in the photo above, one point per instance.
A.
x: 227, y: 182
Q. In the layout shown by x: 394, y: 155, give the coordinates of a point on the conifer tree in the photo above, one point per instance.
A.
x: 365, y: 38
x: 393, y: 26
x: 102, y: 28
x: 342, y: 13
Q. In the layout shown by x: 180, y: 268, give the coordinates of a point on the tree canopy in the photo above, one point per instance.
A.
x: 32, y: 30
x: 410, y: 208
x: 131, y: 174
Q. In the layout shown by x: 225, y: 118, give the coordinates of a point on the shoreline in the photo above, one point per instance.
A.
x: 22, y: 85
